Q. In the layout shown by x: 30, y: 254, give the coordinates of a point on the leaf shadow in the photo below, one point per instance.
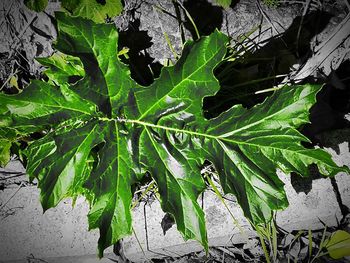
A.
x: 333, y: 103
x: 258, y: 67
x: 199, y: 10
x: 234, y: 3
x: 328, y: 126
x: 142, y: 66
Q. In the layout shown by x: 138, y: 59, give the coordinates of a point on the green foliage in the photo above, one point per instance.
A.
x: 36, y: 5
x: 224, y: 3
x: 90, y: 9
x: 61, y: 68
x: 5, y: 146
x: 7, y: 137
x: 93, y: 9
x: 103, y: 132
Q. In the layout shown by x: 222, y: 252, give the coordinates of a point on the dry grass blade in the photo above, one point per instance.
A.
x: 306, y: 8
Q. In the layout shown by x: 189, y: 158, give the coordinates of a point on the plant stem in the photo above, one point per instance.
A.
x: 262, y: 241
x: 150, y: 187
x: 216, y: 190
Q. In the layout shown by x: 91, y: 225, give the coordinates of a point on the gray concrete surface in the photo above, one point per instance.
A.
x: 337, y: 144
x: 62, y: 231
x: 26, y: 231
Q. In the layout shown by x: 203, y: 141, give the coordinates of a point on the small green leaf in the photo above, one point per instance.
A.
x: 93, y: 9
x: 7, y: 137
x: 36, y: 5
x: 62, y: 68
x: 224, y: 3
x: 5, y: 146
x: 338, y: 245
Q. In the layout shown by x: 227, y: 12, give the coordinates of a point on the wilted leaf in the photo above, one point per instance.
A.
x: 338, y: 245
x: 105, y: 131
x: 13, y: 82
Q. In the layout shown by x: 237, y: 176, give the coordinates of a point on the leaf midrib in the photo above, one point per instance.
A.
x: 263, y: 119
x: 174, y: 176
x: 217, y: 138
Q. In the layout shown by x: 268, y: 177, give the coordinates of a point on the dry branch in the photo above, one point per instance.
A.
x: 325, y: 51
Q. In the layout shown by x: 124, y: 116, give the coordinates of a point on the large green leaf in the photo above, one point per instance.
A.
x: 104, y: 132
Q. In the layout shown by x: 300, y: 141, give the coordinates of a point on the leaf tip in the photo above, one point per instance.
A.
x: 345, y: 169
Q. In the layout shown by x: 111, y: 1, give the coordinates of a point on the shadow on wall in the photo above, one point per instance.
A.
x: 333, y: 103
x: 259, y: 66
x: 234, y: 3
x: 142, y: 66
x: 206, y: 17
x: 328, y: 116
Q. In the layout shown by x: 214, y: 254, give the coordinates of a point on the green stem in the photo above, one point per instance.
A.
x: 217, y: 192
x: 262, y: 241
x: 191, y: 20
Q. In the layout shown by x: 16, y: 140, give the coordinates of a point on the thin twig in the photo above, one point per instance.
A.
x: 306, y: 8
x: 8, y: 200
x: 180, y: 22
x: 139, y: 243
x: 347, y: 4
x: 191, y: 20
x: 8, y: 79
x: 8, y: 11
x: 13, y: 176
x: 146, y: 232
x: 268, y: 19
x: 176, y: 56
